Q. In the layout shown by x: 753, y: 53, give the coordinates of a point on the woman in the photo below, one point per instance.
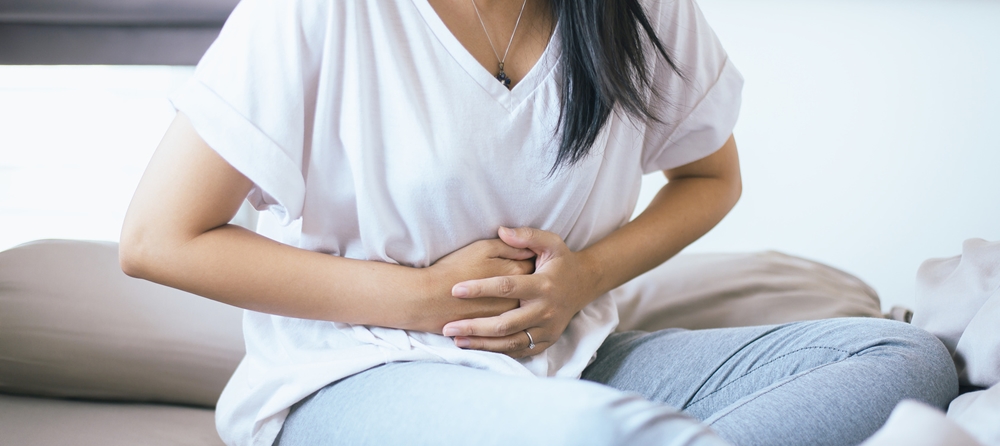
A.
x: 397, y: 140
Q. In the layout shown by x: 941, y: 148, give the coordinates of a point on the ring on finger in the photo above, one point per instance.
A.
x: 531, y: 341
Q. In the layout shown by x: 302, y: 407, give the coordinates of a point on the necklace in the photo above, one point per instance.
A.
x: 502, y: 77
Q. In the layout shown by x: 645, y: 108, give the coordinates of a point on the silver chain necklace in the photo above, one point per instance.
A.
x: 502, y: 77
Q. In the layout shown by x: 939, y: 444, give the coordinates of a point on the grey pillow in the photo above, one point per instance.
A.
x: 73, y: 325
x: 733, y: 290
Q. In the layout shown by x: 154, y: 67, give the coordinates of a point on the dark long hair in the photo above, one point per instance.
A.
x: 603, y: 65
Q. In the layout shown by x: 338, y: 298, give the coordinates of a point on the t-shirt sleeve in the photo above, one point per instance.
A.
x: 696, y: 114
x: 252, y: 95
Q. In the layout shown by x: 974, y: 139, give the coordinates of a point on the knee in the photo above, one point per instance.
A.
x: 917, y: 359
x: 587, y: 413
x: 610, y: 417
x: 932, y: 361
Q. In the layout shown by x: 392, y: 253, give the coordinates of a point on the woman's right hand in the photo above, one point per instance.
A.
x: 478, y: 260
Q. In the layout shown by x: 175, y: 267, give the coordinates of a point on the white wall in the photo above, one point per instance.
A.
x: 867, y: 134
x: 74, y: 141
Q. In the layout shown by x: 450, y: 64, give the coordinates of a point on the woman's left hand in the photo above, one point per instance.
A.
x: 563, y: 283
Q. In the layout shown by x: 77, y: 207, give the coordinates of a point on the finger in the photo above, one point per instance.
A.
x: 536, y: 240
x: 505, y: 324
x: 504, y: 251
x: 516, y: 342
x: 512, y: 287
x: 522, y: 267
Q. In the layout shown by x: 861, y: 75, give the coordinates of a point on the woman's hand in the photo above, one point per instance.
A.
x: 563, y: 283
x: 478, y: 260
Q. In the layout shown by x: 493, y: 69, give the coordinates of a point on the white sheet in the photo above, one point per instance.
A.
x: 958, y: 299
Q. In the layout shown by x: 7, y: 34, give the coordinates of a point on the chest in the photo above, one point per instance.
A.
x: 510, y: 34
x: 411, y: 101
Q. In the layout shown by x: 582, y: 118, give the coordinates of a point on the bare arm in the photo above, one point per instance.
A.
x: 695, y: 199
x: 176, y: 234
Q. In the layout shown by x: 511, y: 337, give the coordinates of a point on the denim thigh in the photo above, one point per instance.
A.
x: 422, y: 403
x: 832, y: 381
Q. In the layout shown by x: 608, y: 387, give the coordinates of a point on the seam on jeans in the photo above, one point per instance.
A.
x: 733, y: 354
x: 849, y: 354
x: 716, y: 420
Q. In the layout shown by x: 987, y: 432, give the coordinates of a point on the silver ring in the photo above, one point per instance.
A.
x: 531, y: 341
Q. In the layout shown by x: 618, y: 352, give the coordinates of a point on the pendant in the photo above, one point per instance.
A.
x: 502, y: 77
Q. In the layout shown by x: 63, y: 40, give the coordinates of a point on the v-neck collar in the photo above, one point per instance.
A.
x: 509, y: 99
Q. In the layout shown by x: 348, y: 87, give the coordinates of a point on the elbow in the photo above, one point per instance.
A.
x: 729, y: 189
x: 731, y: 171
x: 736, y: 191
x: 132, y: 252
x: 130, y: 263
x: 139, y: 248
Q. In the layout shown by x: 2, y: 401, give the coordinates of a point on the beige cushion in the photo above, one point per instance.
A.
x: 732, y: 290
x: 28, y: 421
x: 73, y: 325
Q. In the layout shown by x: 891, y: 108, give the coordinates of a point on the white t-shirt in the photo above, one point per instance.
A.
x: 371, y: 132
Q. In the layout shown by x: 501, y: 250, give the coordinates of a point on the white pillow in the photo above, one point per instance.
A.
x: 73, y: 325
x: 733, y: 290
x: 913, y: 423
x: 958, y: 300
x: 978, y: 412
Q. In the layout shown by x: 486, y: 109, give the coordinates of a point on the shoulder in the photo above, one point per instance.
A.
x: 668, y: 12
x: 285, y: 14
x: 699, y: 109
x: 689, y: 40
x: 677, y: 22
x: 315, y: 22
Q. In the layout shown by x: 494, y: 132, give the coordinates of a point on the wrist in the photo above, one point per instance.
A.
x: 418, y: 291
x: 593, y: 274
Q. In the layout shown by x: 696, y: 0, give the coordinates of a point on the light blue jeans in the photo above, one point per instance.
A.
x: 810, y: 383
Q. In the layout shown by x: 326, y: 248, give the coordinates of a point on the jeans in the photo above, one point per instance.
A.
x: 829, y: 382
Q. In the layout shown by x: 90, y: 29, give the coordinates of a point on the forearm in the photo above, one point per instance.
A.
x: 673, y: 220
x: 241, y: 268
x: 683, y: 210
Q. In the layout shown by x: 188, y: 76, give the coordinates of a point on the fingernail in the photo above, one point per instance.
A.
x: 459, y: 291
x: 451, y: 331
x: 462, y: 342
x: 506, y: 231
